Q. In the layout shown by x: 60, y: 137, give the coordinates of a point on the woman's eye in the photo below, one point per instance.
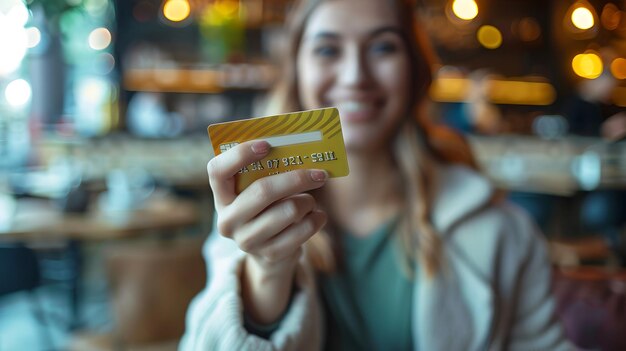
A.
x: 383, y: 48
x: 326, y: 51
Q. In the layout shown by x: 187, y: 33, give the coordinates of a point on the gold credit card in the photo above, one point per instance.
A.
x: 307, y: 139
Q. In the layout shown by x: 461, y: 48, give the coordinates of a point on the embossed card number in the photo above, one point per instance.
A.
x: 276, y: 164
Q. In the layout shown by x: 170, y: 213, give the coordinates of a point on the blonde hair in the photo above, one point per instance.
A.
x: 417, y: 146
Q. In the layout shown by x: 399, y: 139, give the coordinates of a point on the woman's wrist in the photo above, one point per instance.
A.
x: 267, y: 288
x: 263, y: 269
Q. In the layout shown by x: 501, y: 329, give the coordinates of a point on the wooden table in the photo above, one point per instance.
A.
x: 38, y: 221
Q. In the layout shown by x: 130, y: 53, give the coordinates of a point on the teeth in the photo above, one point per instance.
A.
x: 354, y: 106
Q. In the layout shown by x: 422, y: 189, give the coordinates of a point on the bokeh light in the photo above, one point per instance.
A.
x: 550, y: 126
x: 33, y: 36
x: 529, y: 29
x: 106, y: 63
x: 521, y: 92
x: 588, y: 65
x: 18, y: 14
x: 465, y: 9
x: 582, y: 18
x: 611, y: 16
x: 96, y: 7
x: 220, y: 13
x: 227, y: 8
x: 176, y: 10
x: 489, y: 37
x: 13, y: 42
x: 143, y: 11
x: 618, y: 68
x: 99, y: 39
x: 18, y: 93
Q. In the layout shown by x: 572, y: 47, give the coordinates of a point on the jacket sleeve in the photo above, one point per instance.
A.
x: 215, y: 317
x: 534, y: 324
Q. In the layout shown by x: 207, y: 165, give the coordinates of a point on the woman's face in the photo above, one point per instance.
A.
x: 353, y: 56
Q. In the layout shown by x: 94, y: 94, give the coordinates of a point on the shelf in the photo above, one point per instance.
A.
x: 200, y: 80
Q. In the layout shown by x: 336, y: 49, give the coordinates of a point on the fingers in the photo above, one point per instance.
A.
x: 223, y: 168
x: 283, y: 245
x: 265, y: 191
x: 273, y: 220
x: 273, y: 216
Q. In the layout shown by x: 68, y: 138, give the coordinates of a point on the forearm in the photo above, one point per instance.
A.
x: 266, y: 291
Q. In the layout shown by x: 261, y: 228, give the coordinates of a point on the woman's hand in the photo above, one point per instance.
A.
x: 270, y: 220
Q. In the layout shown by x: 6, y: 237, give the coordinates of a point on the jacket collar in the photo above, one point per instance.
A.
x: 459, y: 191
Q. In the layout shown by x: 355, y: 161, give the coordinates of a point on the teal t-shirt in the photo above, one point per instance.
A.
x: 368, y: 302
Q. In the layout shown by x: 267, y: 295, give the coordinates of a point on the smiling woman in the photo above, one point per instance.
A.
x: 412, y: 250
x: 358, y: 66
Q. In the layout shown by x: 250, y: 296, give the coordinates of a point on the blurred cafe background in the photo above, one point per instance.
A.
x: 104, y: 104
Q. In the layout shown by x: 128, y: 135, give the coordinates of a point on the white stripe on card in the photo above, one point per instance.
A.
x: 292, y: 139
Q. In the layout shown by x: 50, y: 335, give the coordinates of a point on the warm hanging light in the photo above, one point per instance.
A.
x: 465, y: 9
x: 489, y: 37
x: 176, y: 10
x: 582, y: 18
x: 618, y: 68
x: 587, y: 65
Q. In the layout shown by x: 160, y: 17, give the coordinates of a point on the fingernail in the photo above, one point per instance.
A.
x: 318, y: 176
x: 261, y: 147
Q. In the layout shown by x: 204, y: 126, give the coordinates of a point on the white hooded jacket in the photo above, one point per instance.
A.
x: 492, y: 294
